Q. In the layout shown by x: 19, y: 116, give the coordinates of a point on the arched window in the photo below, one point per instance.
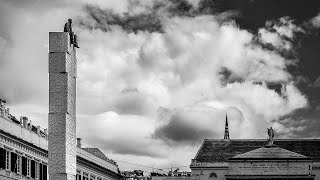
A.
x: 213, y: 175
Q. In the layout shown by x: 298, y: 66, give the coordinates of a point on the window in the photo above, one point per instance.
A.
x: 78, y: 177
x: 33, y: 172
x: 8, y: 158
x: 85, y: 176
x: 24, y: 166
x: 13, y: 162
x: 40, y: 171
x: 44, y: 172
x: 2, y: 158
x: 213, y: 175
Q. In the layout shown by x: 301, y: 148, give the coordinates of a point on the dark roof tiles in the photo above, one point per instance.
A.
x: 217, y: 150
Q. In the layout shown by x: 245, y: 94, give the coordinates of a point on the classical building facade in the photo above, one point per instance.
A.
x: 24, y: 153
x: 254, y: 159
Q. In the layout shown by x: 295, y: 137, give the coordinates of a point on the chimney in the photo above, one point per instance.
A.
x: 30, y: 126
x: 21, y: 121
x: 24, y: 121
x: 79, y: 142
x: 2, y: 102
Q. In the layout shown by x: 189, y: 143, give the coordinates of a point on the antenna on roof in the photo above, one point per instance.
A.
x: 226, y: 129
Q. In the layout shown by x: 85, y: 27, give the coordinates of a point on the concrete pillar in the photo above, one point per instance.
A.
x: 62, y: 107
x: 25, y: 122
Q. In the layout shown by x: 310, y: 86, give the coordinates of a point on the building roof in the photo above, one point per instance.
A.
x: 98, y: 153
x: 273, y: 152
x: 219, y: 150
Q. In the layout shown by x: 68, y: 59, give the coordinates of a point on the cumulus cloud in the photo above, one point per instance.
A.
x: 190, y: 125
x: 279, y: 33
x: 315, y: 22
x: 132, y: 131
x: 127, y: 138
x: 195, y: 61
x: 152, y: 86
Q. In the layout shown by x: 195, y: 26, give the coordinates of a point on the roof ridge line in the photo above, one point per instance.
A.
x: 286, y: 139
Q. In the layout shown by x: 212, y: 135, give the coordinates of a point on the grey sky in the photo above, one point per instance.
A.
x: 157, y: 77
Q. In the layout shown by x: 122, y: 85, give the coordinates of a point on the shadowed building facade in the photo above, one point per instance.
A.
x: 24, y: 153
x: 257, y: 159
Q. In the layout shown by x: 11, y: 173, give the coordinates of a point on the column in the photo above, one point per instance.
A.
x: 62, y: 107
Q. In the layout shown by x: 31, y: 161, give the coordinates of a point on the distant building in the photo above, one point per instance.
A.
x: 172, y: 175
x: 257, y: 159
x: 24, y: 153
x: 177, y: 173
x: 134, y: 175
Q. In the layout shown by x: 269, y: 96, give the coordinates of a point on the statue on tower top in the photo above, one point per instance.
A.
x: 271, y: 136
x: 73, y: 36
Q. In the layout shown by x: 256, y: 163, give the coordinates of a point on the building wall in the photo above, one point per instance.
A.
x: 86, y: 155
x: 316, y: 170
x: 173, y: 178
x: 203, y: 173
x: 82, y: 170
x: 270, y: 167
x: 25, y: 134
x: 24, y: 149
x: 210, y: 173
x: 17, y: 165
x: 7, y: 175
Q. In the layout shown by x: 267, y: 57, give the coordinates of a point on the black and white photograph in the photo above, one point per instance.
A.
x: 159, y: 89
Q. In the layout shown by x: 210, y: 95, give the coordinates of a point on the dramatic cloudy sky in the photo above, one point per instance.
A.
x: 156, y: 77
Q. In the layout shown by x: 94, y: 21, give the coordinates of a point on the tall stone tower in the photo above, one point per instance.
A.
x: 62, y: 106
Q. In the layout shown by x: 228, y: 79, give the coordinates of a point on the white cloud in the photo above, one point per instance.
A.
x: 126, y: 79
x: 279, y: 33
x: 180, y: 69
x: 316, y: 21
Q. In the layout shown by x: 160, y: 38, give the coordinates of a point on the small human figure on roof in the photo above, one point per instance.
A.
x: 73, y: 36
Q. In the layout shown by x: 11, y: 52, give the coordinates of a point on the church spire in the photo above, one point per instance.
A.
x: 226, y: 129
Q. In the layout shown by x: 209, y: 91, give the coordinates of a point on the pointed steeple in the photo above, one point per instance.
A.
x: 226, y: 129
